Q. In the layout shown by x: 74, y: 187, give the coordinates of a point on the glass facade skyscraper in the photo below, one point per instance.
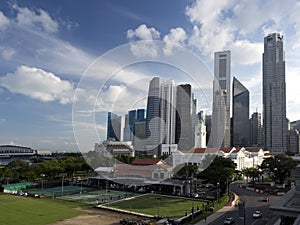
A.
x: 274, y: 94
x: 153, y: 118
x: 240, y: 114
x: 113, y: 126
x: 220, y: 133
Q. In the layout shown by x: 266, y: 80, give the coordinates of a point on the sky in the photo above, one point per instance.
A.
x: 64, y: 64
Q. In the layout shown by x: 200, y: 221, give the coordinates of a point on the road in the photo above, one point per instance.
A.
x: 253, y: 201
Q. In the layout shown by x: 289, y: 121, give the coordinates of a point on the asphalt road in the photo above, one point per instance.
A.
x: 253, y: 201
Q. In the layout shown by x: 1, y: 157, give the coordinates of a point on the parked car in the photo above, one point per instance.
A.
x: 266, y: 199
x: 229, y: 220
x: 257, y: 214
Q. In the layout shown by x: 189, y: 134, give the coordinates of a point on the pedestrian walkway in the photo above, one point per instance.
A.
x: 218, y: 213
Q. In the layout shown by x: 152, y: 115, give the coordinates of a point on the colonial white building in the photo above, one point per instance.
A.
x: 115, y: 148
x: 243, y: 157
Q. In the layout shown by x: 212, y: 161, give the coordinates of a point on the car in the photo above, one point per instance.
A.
x: 266, y: 199
x: 257, y: 214
x: 229, y: 220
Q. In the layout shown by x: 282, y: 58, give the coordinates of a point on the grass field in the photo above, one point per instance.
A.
x: 15, y: 210
x: 158, y: 205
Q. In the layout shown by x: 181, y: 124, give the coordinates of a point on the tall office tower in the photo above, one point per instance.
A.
x: 293, y: 141
x: 139, y: 125
x: 240, y: 113
x: 208, y: 127
x: 200, y: 131
x: 256, y: 130
x: 274, y: 94
x: 126, y: 133
x: 168, y: 112
x: 194, y: 117
x: 141, y: 114
x: 132, y: 117
x: 140, y: 138
x: 114, y: 123
x: 220, y: 133
x: 153, y: 118
x: 184, y: 130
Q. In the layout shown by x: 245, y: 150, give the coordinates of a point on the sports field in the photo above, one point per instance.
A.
x: 98, y: 197
x: 170, y: 207
x: 16, y: 210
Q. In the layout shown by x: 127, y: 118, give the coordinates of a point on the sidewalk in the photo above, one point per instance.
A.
x: 218, y: 213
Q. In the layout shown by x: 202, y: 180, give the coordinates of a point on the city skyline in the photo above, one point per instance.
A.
x: 49, y: 45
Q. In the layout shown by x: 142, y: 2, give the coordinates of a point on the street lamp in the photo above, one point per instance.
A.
x: 62, y: 185
x: 42, y: 176
x: 218, y: 192
x: 158, y: 206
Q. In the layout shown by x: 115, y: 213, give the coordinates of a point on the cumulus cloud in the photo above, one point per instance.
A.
x: 226, y: 25
x: 245, y: 52
x: 143, y: 33
x: 7, y: 53
x: 3, y: 21
x: 38, y: 84
x: 146, y: 35
x: 35, y: 19
x: 212, y: 30
x: 177, y: 36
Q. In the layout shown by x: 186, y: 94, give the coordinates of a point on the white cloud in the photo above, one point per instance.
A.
x: 7, y: 53
x: 146, y: 35
x: 3, y: 21
x: 31, y: 34
x: 177, y: 36
x: 212, y: 30
x: 143, y: 33
x: 245, y: 52
x: 38, y: 19
x: 292, y: 93
x: 38, y: 84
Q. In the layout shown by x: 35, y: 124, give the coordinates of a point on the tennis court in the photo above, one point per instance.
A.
x: 99, y: 196
x: 83, y: 194
x: 60, y: 191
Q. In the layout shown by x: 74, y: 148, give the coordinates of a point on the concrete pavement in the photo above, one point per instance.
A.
x: 218, y: 213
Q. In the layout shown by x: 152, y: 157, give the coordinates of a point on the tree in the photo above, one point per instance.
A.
x: 188, y: 171
x: 221, y: 170
x: 253, y: 173
x: 278, y: 167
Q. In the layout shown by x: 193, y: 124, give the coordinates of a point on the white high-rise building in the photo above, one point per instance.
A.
x: 200, y: 131
x: 168, y: 116
x: 274, y: 94
x: 220, y: 133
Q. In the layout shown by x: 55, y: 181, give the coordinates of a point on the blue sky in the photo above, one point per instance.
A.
x: 50, y: 48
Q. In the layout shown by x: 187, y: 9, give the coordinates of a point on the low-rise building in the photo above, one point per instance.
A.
x: 115, y: 148
x: 243, y: 157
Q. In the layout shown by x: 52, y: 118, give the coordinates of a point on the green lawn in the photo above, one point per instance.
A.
x: 165, y: 206
x: 15, y: 210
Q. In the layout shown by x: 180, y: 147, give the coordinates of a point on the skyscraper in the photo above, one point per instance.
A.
x: 240, y: 113
x: 200, y: 131
x: 153, y: 118
x: 256, y: 138
x: 274, y: 94
x: 114, y: 123
x: 168, y: 116
x: 168, y: 113
x: 141, y: 114
x: 184, y: 130
x: 220, y: 133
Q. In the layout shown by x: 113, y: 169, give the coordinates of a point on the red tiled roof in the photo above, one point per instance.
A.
x: 226, y: 150
x: 122, y: 146
x: 253, y: 150
x: 144, y: 162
